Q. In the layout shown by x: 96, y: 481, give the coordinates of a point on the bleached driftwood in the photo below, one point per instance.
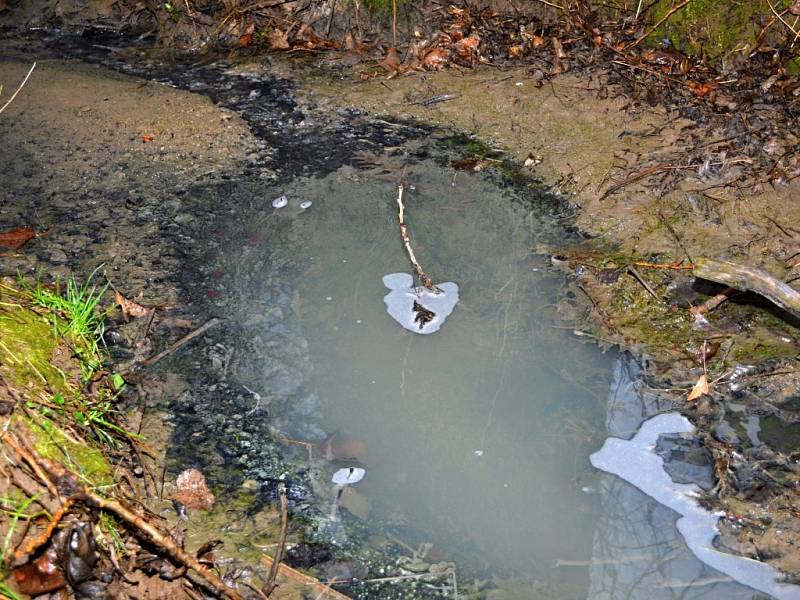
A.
x: 423, y: 276
x: 749, y: 279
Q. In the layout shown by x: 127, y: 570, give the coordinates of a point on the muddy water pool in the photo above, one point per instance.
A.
x: 475, y: 439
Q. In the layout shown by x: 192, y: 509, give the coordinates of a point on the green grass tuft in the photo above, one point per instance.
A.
x: 74, y: 314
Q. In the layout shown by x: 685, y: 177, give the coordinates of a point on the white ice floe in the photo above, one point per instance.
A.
x: 348, y: 476
x: 400, y: 302
x: 636, y: 462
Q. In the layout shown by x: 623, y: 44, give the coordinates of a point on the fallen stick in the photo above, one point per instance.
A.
x: 21, y: 556
x: 269, y: 586
x: 635, y: 274
x: 751, y: 280
x: 712, y: 302
x: 185, y: 339
x: 423, y: 276
x: 161, y: 540
x: 137, y: 523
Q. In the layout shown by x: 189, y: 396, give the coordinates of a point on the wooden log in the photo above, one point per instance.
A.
x: 751, y: 280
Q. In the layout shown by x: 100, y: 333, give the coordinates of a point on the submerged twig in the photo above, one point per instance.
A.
x: 639, y: 278
x: 188, y: 337
x: 269, y: 586
x: 423, y: 276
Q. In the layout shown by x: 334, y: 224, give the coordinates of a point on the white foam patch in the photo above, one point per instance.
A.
x: 636, y: 462
x: 400, y: 302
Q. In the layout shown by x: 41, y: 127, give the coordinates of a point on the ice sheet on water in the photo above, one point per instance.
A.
x: 400, y: 302
x: 636, y: 462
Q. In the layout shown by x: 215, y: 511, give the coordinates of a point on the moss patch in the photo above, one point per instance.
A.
x: 54, y: 444
x: 27, y: 344
x: 711, y: 27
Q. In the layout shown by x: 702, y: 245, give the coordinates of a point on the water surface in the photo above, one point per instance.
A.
x: 475, y: 438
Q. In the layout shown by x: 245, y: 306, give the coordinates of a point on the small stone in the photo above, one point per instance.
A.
x: 192, y: 491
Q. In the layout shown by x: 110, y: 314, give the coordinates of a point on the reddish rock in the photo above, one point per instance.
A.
x: 192, y: 491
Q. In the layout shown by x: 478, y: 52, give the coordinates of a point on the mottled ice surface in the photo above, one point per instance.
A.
x: 400, y: 302
x: 636, y: 462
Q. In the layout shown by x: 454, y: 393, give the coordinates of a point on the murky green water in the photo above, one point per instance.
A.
x: 475, y: 438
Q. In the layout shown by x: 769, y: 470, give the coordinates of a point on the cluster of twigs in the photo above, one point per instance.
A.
x: 66, y: 499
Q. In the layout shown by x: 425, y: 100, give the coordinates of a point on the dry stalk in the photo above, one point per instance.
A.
x: 423, y: 276
x: 14, y: 95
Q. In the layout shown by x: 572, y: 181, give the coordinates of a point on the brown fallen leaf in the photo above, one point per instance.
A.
x: 470, y: 164
x: 147, y: 138
x: 41, y: 575
x: 701, y: 388
x: 467, y: 48
x: 129, y: 307
x: 702, y: 89
x: 391, y: 61
x: 17, y: 237
x: 436, y: 59
x: 278, y: 40
x: 246, y: 38
x: 192, y: 490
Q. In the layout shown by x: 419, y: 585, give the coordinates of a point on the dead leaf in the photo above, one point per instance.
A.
x: 702, y: 90
x: 436, y: 59
x: 147, y: 138
x: 355, y: 503
x: 41, y: 575
x: 470, y: 164
x: 278, y: 40
x: 391, y: 61
x: 17, y: 237
x: 701, y: 388
x: 192, y: 490
x: 467, y: 48
x: 515, y: 51
x: 246, y: 38
x: 129, y: 307
x: 532, y: 160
